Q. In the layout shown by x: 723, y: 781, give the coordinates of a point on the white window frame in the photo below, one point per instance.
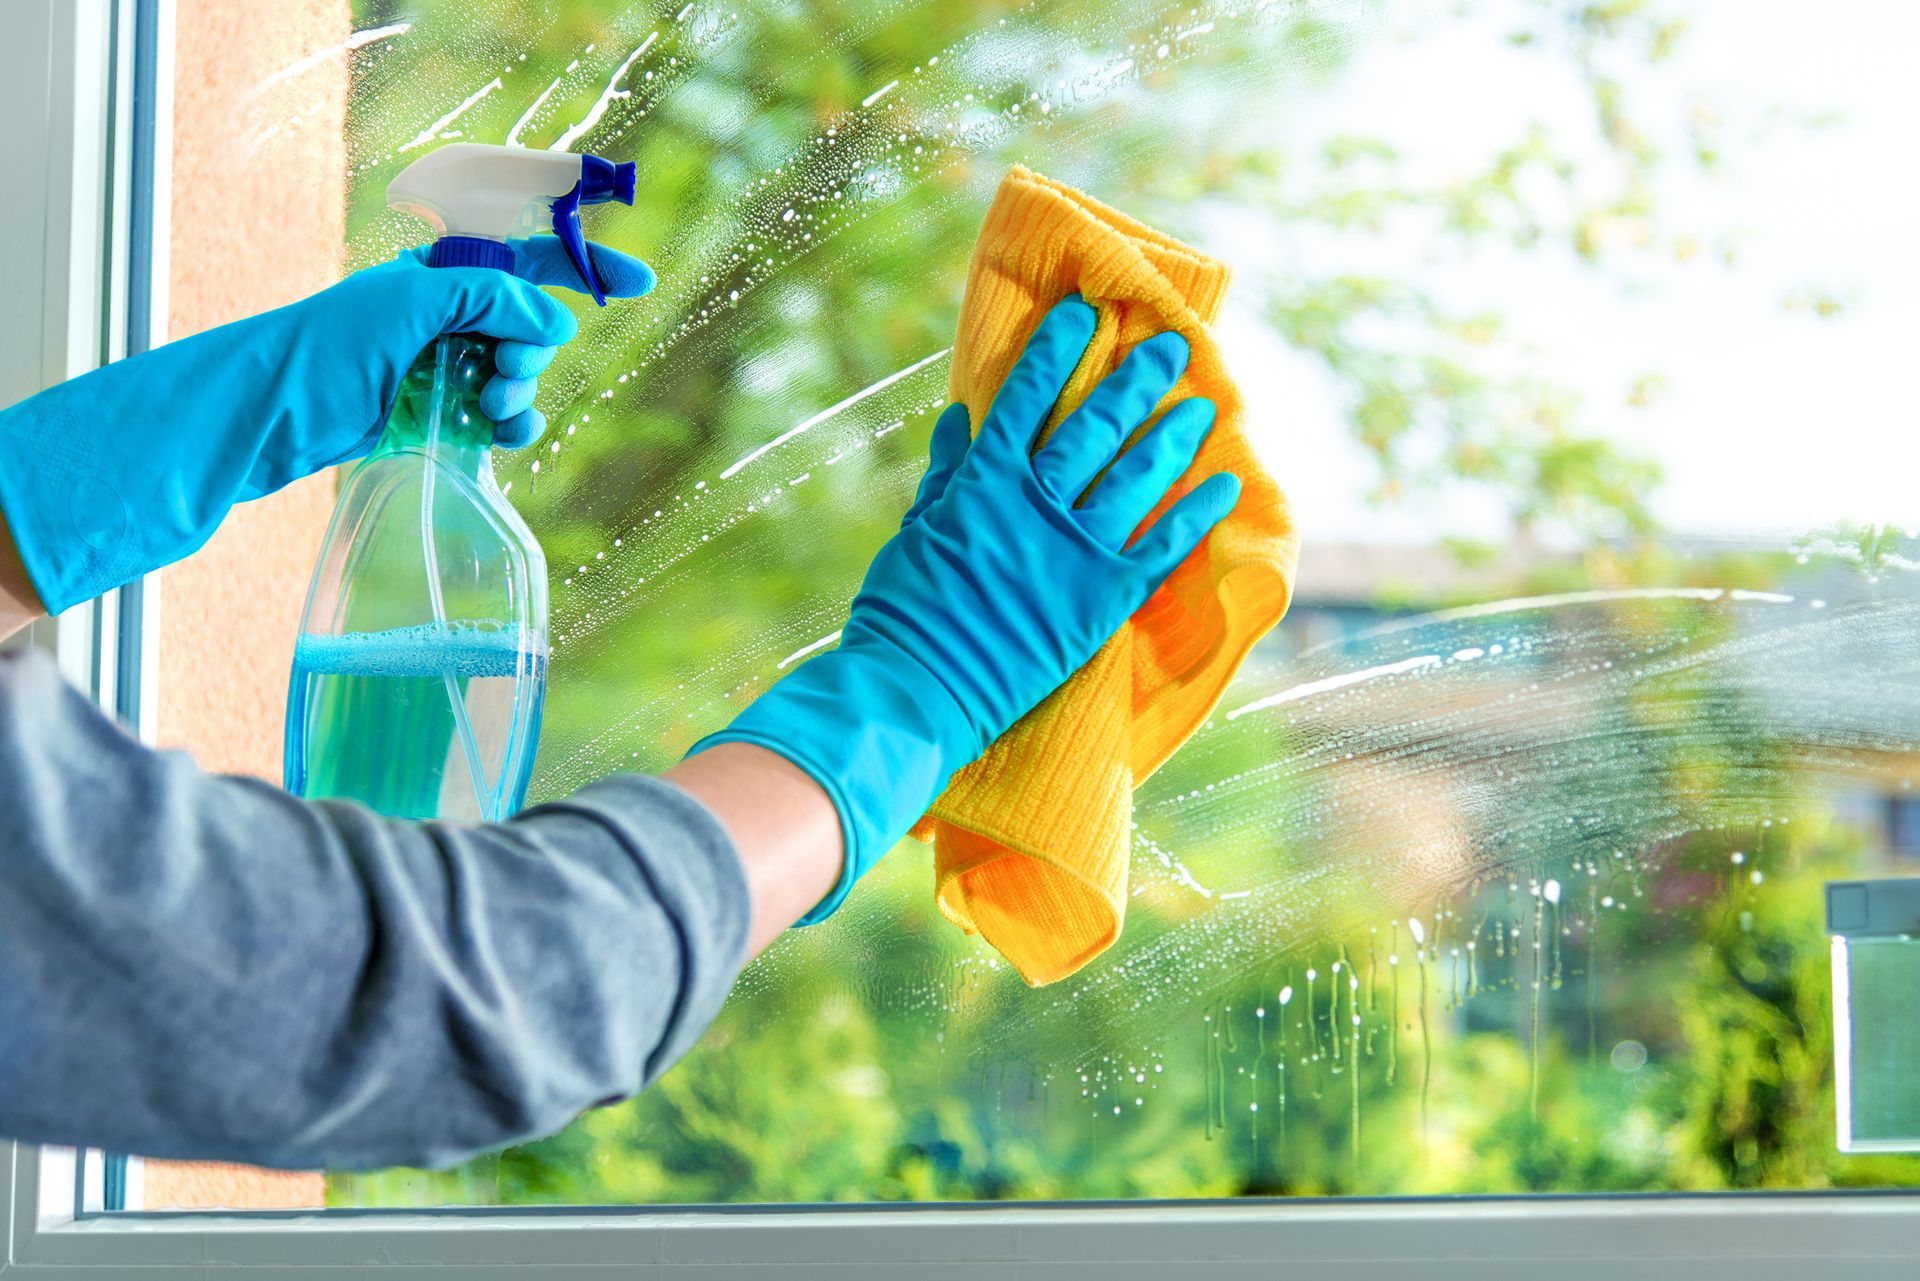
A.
x: 76, y: 291
x: 84, y: 85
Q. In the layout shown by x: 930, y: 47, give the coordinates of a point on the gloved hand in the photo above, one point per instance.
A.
x: 132, y: 466
x: 996, y: 589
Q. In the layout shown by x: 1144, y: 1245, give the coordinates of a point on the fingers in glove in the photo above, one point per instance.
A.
x: 1172, y: 538
x: 520, y: 430
x: 480, y: 300
x: 543, y: 261
x: 1027, y: 396
x: 1140, y: 477
x: 523, y: 360
x: 945, y: 452
x: 1112, y: 411
x: 502, y: 398
x: 508, y: 397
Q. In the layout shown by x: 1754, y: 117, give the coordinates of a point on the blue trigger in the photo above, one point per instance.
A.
x: 566, y: 226
x: 600, y: 181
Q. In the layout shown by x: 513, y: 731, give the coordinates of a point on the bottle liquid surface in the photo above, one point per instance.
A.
x: 420, y: 667
x: 362, y: 688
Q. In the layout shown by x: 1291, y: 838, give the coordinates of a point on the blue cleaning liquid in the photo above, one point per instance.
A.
x: 433, y: 721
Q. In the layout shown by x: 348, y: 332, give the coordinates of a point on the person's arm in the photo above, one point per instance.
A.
x: 200, y: 966
x: 782, y: 824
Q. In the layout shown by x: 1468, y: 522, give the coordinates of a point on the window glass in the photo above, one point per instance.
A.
x: 1573, y: 331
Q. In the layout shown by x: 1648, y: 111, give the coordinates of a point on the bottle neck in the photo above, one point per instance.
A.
x: 437, y: 409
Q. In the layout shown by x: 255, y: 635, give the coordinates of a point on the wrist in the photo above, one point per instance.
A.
x: 876, y: 732
x: 782, y: 824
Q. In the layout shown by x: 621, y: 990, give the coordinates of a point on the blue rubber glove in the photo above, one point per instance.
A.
x: 132, y: 466
x: 997, y: 588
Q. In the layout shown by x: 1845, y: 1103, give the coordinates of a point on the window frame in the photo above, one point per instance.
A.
x: 86, y: 230
x: 88, y: 84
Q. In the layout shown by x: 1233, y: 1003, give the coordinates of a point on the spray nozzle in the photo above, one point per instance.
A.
x: 600, y: 181
x: 604, y: 180
x: 475, y: 196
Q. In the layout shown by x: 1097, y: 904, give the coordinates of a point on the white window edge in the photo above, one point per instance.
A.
x: 64, y: 310
x: 51, y: 209
x: 1754, y: 1237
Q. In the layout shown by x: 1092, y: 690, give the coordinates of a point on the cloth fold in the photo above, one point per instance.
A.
x: 1031, y: 842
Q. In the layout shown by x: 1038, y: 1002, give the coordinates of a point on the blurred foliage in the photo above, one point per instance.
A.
x: 848, y: 1065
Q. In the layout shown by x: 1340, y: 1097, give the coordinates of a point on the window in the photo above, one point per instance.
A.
x: 1516, y: 896
x: 1572, y: 332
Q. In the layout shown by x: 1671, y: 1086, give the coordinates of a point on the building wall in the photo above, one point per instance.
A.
x: 227, y: 614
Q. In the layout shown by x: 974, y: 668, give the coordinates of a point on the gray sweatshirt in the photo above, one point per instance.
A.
x: 202, y: 966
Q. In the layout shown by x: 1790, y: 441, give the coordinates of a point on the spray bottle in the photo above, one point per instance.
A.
x: 421, y: 663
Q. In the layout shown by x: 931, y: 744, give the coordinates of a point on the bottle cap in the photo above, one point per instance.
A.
x: 475, y: 195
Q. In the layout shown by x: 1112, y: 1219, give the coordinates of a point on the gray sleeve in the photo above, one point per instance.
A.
x: 201, y: 966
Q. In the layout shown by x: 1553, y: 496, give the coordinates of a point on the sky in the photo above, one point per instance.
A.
x: 1772, y: 421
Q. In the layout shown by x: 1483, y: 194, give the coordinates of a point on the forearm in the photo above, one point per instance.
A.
x: 783, y: 827
x: 199, y: 966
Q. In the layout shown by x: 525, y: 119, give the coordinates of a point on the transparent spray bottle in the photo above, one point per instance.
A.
x: 421, y: 663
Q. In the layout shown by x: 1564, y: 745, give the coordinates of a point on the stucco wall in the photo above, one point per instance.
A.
x: 239, y: 246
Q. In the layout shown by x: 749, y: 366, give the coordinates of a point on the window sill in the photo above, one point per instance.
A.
x: 1752, y: 1236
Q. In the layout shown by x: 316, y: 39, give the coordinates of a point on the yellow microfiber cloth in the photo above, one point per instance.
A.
x: 1031, y: 842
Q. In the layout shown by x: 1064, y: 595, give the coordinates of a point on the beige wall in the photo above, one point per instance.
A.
x: 228, y: 613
